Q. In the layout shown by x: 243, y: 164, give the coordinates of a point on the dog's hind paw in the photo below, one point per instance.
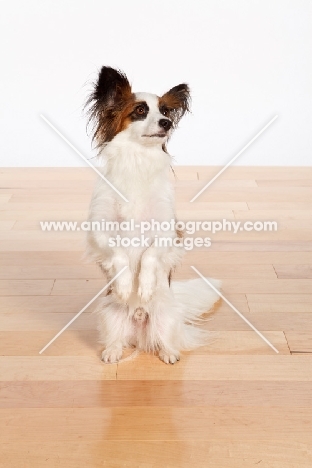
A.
x: 169, y: 357
x: 112, y: 354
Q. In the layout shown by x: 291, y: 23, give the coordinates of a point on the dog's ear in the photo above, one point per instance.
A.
x: 112, y: 87
x: 177, y: 100
x: 111, y: 94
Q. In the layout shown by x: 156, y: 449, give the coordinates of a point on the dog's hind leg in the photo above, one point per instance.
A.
x: 115, y: 331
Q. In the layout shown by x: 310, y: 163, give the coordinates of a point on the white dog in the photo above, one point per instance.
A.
x: 142, y: 308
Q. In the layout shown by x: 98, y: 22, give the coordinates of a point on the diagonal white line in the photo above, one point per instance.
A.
x: 83, y: 157
x: 235, y: 310
x: 233, y: 159
x: 82, y: 310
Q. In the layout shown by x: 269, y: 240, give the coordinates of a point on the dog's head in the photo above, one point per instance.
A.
x: 144, y: 118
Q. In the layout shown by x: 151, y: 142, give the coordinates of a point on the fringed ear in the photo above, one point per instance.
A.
x: 111, y: 87
x: 111, y: 92
x: 177, y: 100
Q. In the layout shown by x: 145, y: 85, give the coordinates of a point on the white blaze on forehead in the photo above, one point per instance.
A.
x: 150, y: 99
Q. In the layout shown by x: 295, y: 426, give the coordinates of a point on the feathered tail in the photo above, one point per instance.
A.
x: 194, y: 298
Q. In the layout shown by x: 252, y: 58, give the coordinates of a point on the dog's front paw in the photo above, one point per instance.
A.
x: 169, y: 357
x: 112, y: 354
x: 124, y: 286
x: 147, y: 287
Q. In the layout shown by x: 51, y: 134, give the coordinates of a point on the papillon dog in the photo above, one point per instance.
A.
x: 143, y: 308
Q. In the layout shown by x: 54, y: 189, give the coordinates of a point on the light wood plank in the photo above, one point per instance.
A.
x: 214, y: 193
x: 51, y: 272
x: 41, y: 203
x: 265, y: 246
x: 259, y: 307
x: 267, y: 368
x: 48, y: 173
x: 299, y: 342
x: 226, y: 319
x: 242, y: 342
x: 47, y: 304
x: 40, y: 235
x: 281, y: 205
x: 293, y: 271
x: 35, y: 258
x: 252, y: 258
x: 279, y: 286
x: 221, y: 184
x: 154, y: 393
x: 154, y: 423
x: 4, y: 198
x: 208, y: 206
x: 70, y: 343
x: 228, y: 271
x: 281, y: 231
x: 266, y: 286
x: 44, y: 214
x: 286, y: 298
x: 25, y: 287
x: 285, y: 183
x: 7, y: 225
x: 210, y: 453
x: 255, y: 172
x: 63, y: 287
x: 35, y: 197
x: 16, y: 185
x: 191, y: 215
x: 42, y: 246
x: 184, y: 173
x: 48, y: 368
x: 271, y: 213
x: 54, y: 322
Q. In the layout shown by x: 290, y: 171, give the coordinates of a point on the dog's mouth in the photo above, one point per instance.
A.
x: 155, y: 135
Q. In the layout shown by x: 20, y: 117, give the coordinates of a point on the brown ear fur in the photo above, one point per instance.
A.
x: 109, y: 104
x: 177, y: 100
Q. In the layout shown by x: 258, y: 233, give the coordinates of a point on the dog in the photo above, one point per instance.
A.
x: 142, y: 308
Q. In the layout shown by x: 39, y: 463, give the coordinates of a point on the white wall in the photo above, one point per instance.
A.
x: 245, y: 60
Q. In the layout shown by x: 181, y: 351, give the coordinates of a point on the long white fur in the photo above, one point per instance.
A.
x: 142, y: 310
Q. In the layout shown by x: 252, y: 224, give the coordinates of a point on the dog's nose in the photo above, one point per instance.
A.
x: 165, y: 124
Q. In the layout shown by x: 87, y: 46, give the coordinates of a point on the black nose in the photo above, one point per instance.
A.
x: 165, y: 124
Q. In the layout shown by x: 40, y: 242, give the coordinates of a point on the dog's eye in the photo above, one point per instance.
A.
x: 140, y: 110
x: 165, y: 111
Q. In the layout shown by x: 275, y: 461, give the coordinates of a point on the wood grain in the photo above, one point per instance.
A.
x: 231, y: 404
x: 272, y: 368
x: 154, y: 423
x: 274, y: 452
x: 299, y: 341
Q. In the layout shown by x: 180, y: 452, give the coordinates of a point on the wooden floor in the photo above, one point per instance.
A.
x: 233, y: 404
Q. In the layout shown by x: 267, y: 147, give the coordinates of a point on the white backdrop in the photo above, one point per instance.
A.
x: 245, y: 60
